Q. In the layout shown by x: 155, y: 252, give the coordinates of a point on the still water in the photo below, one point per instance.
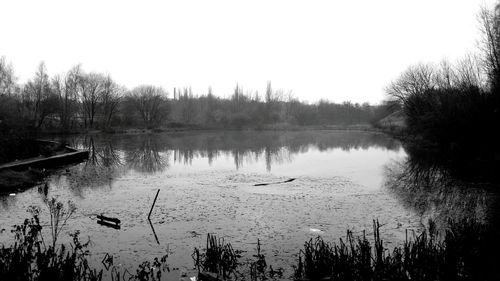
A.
x: 206, y: 182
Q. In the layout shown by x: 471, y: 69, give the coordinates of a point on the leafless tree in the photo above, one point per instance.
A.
x: 7, y: 78
x: 468, y: 73
x: 90, y: 90
x: 445, y: 75
x: 111, y: 97
x: 490, y: 44
x: 38, y: 98
x: 151, y: 104
x: 66, y: 89
x: 415, y: 80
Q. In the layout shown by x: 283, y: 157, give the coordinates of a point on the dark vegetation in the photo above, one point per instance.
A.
x: 219, y: 258
x: 461, y: 255
x: 79, y: 101
x: 27, y: 147
x: 462, y: 252
x: 454, y: 110
x: 13, y: 180
x: 450, y: 111
x: 35, y: 257
x: 19, y: 175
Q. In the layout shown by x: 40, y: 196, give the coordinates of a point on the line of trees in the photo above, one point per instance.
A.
x: 456, y: 107
x: 79, y: 100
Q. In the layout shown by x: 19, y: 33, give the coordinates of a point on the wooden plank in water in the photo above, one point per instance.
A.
x: 49, y: 162
x: 108, y: 219
x: 109, y: 224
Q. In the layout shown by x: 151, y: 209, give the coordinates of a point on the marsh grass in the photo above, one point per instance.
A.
x: 30, y: 258
x: 467, y: 250
x: 460, y: 254
x: 223, y: 262
x: 219, y: 257
x: 260, y: 270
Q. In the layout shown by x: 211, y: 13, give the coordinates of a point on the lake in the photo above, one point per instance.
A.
x: 207, y: 185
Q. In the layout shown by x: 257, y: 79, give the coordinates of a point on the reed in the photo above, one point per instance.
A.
x: 466, y: 250
x: 460, y: 255
x: 29, y: 258
x: 219, y: 258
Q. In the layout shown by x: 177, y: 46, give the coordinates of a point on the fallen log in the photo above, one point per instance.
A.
x: 262, y: 184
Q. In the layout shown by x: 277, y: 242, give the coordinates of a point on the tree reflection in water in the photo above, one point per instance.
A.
x: 112, y: 155
x: 429, y: 185
x: 104, y: 164
x: 146, y: 156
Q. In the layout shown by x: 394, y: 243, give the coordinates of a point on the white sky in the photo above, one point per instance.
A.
x: 338, y: 50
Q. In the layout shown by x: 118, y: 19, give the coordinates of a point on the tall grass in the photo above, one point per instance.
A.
x: 460, y: 255
x: 30, y: 258
x: 219, y: 257
x: 467, y: 250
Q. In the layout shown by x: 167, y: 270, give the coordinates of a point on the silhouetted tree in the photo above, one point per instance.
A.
x: 111, y: 97
x: 38, y: 98
x: 90, y: 91
x: 7, y: 78
x: 151, y: 104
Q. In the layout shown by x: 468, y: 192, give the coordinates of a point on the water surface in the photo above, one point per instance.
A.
x: 206, y: 182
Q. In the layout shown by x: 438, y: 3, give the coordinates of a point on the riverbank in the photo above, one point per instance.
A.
x: 29, y: 172
x: 197, y: 128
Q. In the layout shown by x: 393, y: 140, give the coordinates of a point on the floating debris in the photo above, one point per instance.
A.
x: 315, y: 230
x: 262, y: 184
x: 108, y: 221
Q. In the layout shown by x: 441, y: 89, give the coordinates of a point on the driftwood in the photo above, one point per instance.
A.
x: 262, y: 184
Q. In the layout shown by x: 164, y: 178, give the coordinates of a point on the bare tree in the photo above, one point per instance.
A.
x: 468, y: 73
x: 66, y: 88
x: 151, y: 104
x: 38, y: 98
x: 490, y: 44
x: 90, y: 89
x: 7, y: 78
x: 445, y: 76
x: 415, y: 80
x: 110, y: 100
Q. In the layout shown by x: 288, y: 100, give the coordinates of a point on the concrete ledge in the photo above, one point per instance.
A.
x: 48, y: 162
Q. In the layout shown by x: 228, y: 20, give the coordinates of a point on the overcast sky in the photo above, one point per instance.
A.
x: 337, y: 50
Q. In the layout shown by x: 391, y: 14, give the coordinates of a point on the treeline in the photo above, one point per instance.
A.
x: 456, y: 107
x: 78, y: 100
